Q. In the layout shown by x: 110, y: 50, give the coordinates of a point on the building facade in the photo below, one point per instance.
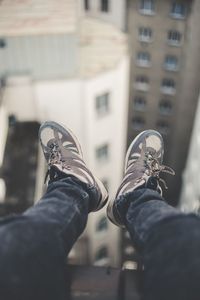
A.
x: 164, y: 81
x: 190, y: 193
x: 111, y: 11
x: 164, y: 85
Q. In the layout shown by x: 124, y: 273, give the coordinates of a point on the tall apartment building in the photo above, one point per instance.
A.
x: 60, y: 64
x: 165, y: 69
x: 164, y: 41
x: 190, y: 193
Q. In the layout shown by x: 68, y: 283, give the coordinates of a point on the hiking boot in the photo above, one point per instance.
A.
x: 62, y: 152
x: 143, y: 165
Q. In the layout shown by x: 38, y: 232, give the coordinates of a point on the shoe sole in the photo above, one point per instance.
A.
x: 111, y: 203
x: 63, y: 129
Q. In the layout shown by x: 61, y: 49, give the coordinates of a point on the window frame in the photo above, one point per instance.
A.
x: 172, y: 42
x: 145, y: 63
x: 149, y: 10
x: 102, y: 224
x: 171, y: 67
x: 2, y: 43
x: 100, y: 157
x: 145, y: 38
x: 137, y: 106
x: 102, y: 104
x: 102, y: 253
x: 105, y: 6
x: 142, y: 85
x: 177, y: 15
x: 168, y: 89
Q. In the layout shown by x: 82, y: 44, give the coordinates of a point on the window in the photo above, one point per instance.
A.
x: 87, y: 4
x: 145, y: 34
x: 142, y: 83
x: 147, y: 7
x: 102, y: 104
x: 163, y: 127
x: 178, y: 10
x: 143, y: 59
x: 102, y: 253
x: 102, y: 225
x: 2, y: 43
x: 142, y: 79
x: 171, y: 63
x: 168, y: 86
x: 101, y: 257
x: 165, y: 107
x: 102, y: 152
x: 138, y: 123
x: 174, y: 37
x: 104, y: 5
x: 139, y: 103
x: 105, y: 183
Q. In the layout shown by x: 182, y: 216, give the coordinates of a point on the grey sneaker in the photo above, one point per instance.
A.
x: 142, y: 164
x: 62, y: 151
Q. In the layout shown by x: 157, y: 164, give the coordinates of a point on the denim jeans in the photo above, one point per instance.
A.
x: 34, y: 245
x: 169, y: 242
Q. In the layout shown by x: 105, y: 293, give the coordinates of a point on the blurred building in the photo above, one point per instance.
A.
x: 110, y: 11
x: 59, y: 63
x: 164, y: 81
x: 190, y: 194
x: 164, y: 41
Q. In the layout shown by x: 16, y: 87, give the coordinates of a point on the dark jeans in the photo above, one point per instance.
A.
x: 34, y: 245
x: 169, y: 242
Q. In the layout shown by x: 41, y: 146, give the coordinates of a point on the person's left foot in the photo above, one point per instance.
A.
x: 62, y: 152
x: 143, y: 164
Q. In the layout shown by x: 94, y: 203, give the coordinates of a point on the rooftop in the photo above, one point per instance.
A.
x: 101, y: 45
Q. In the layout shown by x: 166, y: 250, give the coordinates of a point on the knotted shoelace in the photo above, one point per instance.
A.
x: 154, y: 168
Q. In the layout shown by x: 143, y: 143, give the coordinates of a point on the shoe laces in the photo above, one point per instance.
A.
x: 55, y: 157
x: 154, y: 168
x: 55, y: 154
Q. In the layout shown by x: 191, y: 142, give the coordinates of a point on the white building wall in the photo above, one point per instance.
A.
x: 190, y: 194
x: 111, y: 129
x: 96, y: 62
x: 19, y: 98
x: 72, y: 103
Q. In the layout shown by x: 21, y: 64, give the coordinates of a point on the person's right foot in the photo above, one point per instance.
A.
x: 62, y: 152
x: 143, y: 165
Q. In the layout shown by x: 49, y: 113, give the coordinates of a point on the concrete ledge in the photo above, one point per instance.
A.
x: 101, y: 283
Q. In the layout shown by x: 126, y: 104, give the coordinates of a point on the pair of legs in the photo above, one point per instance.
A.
x: 34, y: 245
